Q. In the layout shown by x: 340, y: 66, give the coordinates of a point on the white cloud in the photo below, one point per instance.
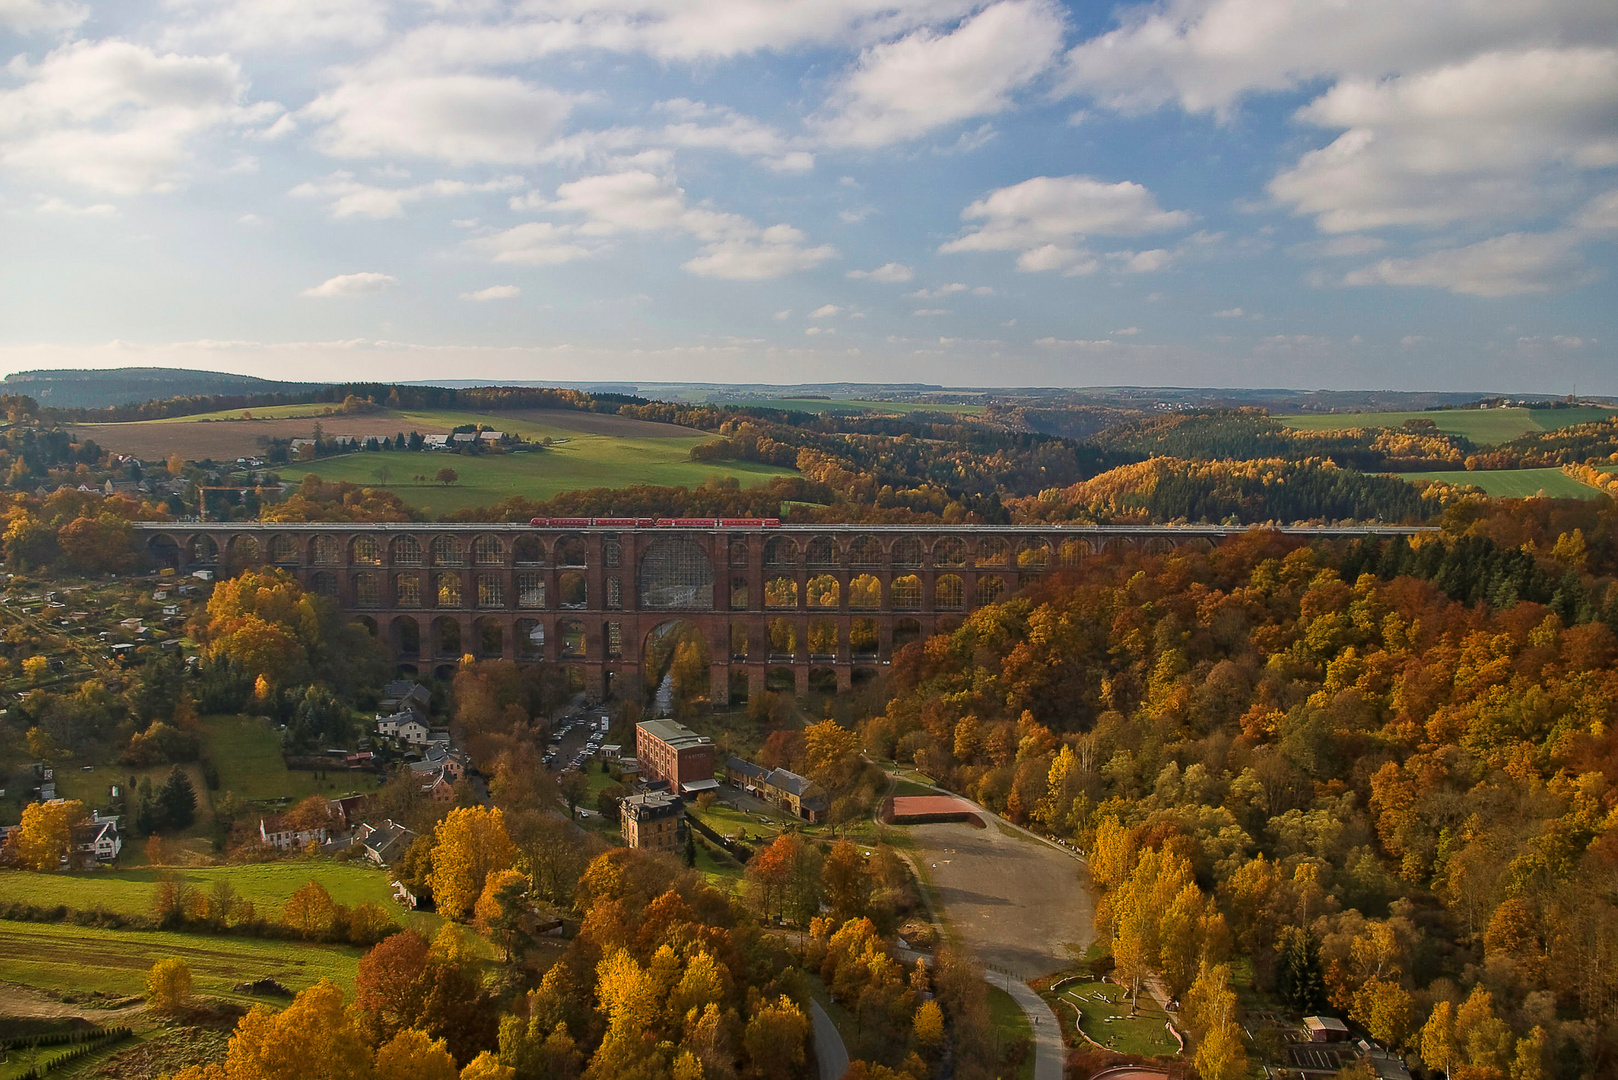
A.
x: 825, y: 311
x: 56, y: 206
x: 461, y: 119
x: 1128, y: 331
x: 533, y: 243
x: 1511, y: 265
x: 950, y: 290
x: 694, y: 125
x: 1142, y: 262
x: 927, y: 312
x: 1601, y: 214
x: 493, y: 292
x: 903, y: 89
x: 347, y: 197
x: 1466, y: 141
x: 29, y: 16
x: 119, y: 117
x: 1046, y: 217
x: 888, y: 274
x: 346, y: 285
x: 268, y: 24
x: 775, y: 252
x: 856, y: 215
x: 1337, y: 247
x: 1229, y: 313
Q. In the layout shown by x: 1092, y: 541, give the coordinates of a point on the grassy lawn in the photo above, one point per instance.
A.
x: 719, y: 870
x: 115, y: 962
x: 1011, y: 1026
x: 247, y: 753
x: 1483, y: 426
x: 265, y: 412
x: 1513, y: 483
x: 1105, y: 1017
x: 584, y: 461
x: 92, y: 787
x: 728, y: 820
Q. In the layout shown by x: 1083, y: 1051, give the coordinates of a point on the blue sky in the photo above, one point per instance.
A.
x: 1195, y: 192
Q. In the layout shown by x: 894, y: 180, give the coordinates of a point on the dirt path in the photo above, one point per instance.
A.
x: 19, y: 1000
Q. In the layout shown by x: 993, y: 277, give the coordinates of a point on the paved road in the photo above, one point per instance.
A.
x: 833, y: 1054
x: 1048, y: 1050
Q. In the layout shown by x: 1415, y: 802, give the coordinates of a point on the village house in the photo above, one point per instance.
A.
x: 654, y: 821
x: 98, y: 838
x: 796, y: 795
x: 384, y: 843
x: 671, y: 752
x: 402, y: 695
x: 279, y: 833
x: 350, y: 810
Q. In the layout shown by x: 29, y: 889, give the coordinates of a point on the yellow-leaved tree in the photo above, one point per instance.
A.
x: 168, y: 985
x: 413, y: 1055
x: 469, y: 845
x: 314, y: 1038
x: 45, y: 836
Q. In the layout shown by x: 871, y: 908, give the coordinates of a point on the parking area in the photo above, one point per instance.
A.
x: 576, y: 740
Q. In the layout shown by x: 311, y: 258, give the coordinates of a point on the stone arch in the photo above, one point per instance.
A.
x: 488, y: 551
x: 447, y: 636
x: 405, y: 551
x: 570, y: 639
x: 949, y: 551
x: 530, y: 589
x: 527, y: 550
x: 994, y: 551
x: 491, y: 591
x: 530, y: 635
x: 905, y: 593
x: 367, y: 622
x: 780, y: 551
x: 405, y: 633
x: 323, y: 583
x: 326, y: 550
x: 365, y: 550
x: 447, y: 590
x: 283, y: 550
x: 907, y: 551
x: 407, y: 590
x: 949, y: 592
x: 782, y: 635
x: 823, y: 638
x: 612, y: 553
x: 740, y: 593
x: 1197, y: 543
x: 244, y: 551
x: 660, y: 648
x: 1117, y: 545
x: 865, y: 550
x: 367, y: 586
x: 447, y: 551
x: 904, y: 632
x: 781, y: 592
x: 823, y: 591
x: 822, y: 679
x: 445, y: 672
x: 572, y: 590
x: 865, y: 592
x: 864, y: 640
x: 780, y: 680
x: 1033, y: 555
x: 164, y: 552
x: 990, y: 589
x: 1072, y: 551
x: 675, y: 575
x: 740, y: 553
x: 821, y: 551
x: 1157, y: 545
x: 571, y: 550
x: 202, y: 550
x: 741, y: 641
x: 863, y: 676
x: 488, y: 638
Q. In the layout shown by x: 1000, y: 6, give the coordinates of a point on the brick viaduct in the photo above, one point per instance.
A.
x: 793, y: 607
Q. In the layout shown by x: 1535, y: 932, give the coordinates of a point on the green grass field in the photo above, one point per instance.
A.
x: 1106, y: 1018
x: 247, y: 753
x: 1513, y: 483
x: 1011, y: 1026
x: 267, y: 412
x: 86, y: 960
x: 1485, y: 427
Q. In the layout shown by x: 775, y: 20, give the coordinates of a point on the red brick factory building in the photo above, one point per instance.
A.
x: 670, y: 751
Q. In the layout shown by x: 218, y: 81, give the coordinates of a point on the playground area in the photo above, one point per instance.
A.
x: 1104, y: 1015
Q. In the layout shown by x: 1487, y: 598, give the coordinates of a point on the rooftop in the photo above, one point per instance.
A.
x: 674, y: 733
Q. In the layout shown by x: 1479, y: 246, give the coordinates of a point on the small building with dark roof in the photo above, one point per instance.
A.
x: 654, y: 821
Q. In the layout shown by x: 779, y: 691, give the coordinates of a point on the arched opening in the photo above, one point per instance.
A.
x: 243, y: 552
x: 572, y: 590
x: 820, y: 552
x: 865, y: 551
x: 204, y: 552
x: 780, y: 592
x: 407, y: 590
x: 612, y: 553
x: 1033, y: 555
x: 994, y: 551
x: 491, y: 591
x: 739, y: 594
x: 739, y: 551
x: 405, y: 671
x: 949, y: 592
x: 367, y: 589
x: 406, y: 551
x: 447, y: 637
x: 783, y: 636
x: 863, y: 639
x: 367, y: 622
x: 570, y: 639
x: 447, y: 551
x: 1116, y: 546
x: 488, y: 551
x: 445, y: 672
x: 406, y: 637
x: 780, y: 680
x: 739, y: 641
x: 576, y: 681
x: 1072, y: 552
x: 676, y: 575
x: 738, y: 688
x: 907, y: 551
x: 947, y: 624
x: 780, y: 551
x: 904, y: 632
x: 323, y: 583
x: 865, y: 592
x: 1157, y: 545
x: 530, y: 639
x: 822, y: 680
x: 571, y: 550
x: 906, y: 593
x: 823, y: 639
x: 530, y: 589
x: 949, y: 551
x: 527, y: 551
x: 989, y: 590
x: 164, y: 552
x: 489, y: 639
x: 447, y: 589
x: 863, y: 677
x: 283, y: 550
x: 365, y: 551
x: 823, y: 591
x: 328, y: 551
x: 675, y: 663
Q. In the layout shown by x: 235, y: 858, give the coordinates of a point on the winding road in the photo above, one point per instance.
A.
x: 830, y: 1049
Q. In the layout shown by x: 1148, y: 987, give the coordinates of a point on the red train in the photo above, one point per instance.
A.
x: 648, y: 523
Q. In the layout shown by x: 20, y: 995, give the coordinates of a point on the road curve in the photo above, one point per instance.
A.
x: 831, y: 1052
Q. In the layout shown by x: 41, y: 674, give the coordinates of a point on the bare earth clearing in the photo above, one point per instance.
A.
x: 1021, y: 905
